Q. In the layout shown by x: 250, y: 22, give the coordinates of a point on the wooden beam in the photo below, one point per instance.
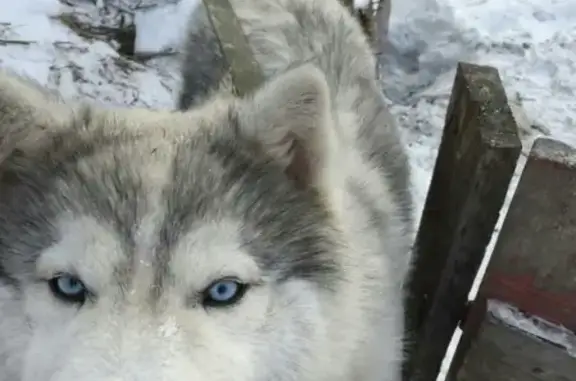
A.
x: 494, y: 348
x: 348, y: 4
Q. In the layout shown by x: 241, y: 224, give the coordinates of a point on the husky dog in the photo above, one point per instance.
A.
x: 258, y: 238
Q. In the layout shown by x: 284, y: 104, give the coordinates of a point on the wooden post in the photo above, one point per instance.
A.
x: 382, y: 18
x: 244, y: 69
x: 348, y: 4
x: 380, y: 25
x: 476, y: 160
x: 533, y: 268
x: 366, y: 18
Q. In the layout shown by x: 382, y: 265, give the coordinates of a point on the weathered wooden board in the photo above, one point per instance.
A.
x: 492, y: 350
x: 245, y: 70
x: 382, y: 19
x: 348, y: 3
x: 534, y: 261
x: 374, y: 19
x: 477, y: 156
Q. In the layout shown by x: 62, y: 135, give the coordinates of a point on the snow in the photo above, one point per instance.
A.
x: 531, y: 42
x: 150, y: 38
x: 35, y: 40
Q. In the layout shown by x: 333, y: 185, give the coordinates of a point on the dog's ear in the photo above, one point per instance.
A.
x: 290, y: 117
x: 27, y: 112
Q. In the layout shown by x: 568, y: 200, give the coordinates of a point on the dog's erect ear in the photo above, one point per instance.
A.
x: 26, y: 112
x: 290, y: 117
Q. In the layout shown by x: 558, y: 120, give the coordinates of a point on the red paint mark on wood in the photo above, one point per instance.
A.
x: 520, y: 290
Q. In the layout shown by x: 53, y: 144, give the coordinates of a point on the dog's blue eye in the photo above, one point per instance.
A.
x: 224, y: 293
x: 68, y: 288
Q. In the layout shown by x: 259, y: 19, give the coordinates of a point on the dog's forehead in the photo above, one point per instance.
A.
x: 202, y: 178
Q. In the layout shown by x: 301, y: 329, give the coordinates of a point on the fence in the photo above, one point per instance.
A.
x: 520, y: 326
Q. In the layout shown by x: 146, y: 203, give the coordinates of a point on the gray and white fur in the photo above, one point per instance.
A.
x: 116, y: 224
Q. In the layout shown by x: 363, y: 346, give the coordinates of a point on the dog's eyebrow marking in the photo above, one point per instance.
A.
x: 214, y: 177
x: 86, y: 248
x: 208, y: 252
x: 59, y: 176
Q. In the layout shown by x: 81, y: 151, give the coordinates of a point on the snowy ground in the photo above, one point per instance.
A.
x: 531, y: 42
x: 72, y: 46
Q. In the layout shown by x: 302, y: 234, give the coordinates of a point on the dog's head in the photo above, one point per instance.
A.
x: 147, y: 245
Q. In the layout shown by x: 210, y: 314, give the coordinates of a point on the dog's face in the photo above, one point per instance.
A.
x: 140, y: 245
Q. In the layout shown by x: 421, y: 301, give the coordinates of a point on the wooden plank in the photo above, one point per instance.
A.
x: 492, y: 348
x: 534, y: 261
x: 348, y: 4
x: 382, y: 18
x: 236, y: 51
x: 245, y: 70
x: 478, y: 153
x: 365, y: 17
x: 380, y: 39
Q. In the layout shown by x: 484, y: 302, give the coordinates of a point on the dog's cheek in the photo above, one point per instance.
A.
x: 14, y: 334
x: 48, y: 325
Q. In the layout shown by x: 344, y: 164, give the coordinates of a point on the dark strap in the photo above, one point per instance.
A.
x: 244, y: 69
